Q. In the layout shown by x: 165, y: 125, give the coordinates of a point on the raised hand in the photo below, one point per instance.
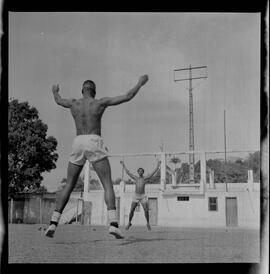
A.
x: 55, y: 88
x: 143, y: 79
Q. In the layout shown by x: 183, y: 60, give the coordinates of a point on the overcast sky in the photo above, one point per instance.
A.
x: 114, y: 50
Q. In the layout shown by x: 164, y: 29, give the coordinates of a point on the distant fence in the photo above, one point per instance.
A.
x: 32, y: 208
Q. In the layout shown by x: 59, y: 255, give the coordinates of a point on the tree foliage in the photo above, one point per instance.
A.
x: 79, y: 187
x: 175, y: 161
x: 231, y: 172
x: 234, y: 171
x: 254, y: 162
x: 30, y: 151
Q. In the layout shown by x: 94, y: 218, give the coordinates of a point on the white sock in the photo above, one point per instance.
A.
x: 56, y: 216
x: 112, y: 216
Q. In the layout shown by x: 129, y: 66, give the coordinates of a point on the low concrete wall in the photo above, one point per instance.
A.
x: 30, y: 208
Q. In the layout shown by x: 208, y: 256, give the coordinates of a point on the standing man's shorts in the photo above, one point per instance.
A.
x: 87, y: 147
x: 139, y: 198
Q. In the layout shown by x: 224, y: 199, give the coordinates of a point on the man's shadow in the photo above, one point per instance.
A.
x: 128, y: 240
x: 132, y: 240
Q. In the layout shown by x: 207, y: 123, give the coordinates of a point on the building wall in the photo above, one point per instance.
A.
x: 171, y: 212
x: 138, y: 218
x: 48, y: 206
x: 185, y: 213
x: 195, y: 212
x: 31, y: 208
x: 28, y: 208
x: 99, y: 210
x: 192, y: 213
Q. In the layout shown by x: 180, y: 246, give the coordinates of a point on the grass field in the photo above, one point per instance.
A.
x: 93, y: 244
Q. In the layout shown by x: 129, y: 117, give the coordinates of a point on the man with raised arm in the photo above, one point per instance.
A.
x: 89, y: 145
x: 139, y: 195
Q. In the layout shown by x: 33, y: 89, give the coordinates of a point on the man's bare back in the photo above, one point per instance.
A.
x: 87, y: 111
x: 87, y: 114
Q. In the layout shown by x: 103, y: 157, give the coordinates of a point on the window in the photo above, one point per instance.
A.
x: 182, y: 198
x: 212, y: 204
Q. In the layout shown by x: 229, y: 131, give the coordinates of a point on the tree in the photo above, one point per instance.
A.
x: 155, y: 179
x: 129, y: 181
x: 94, y: 184
x: 79, y: 186
x: 41, y: 189
x: 236, y: 172
x: 182, y: 174
x: 253, y: 162
x: 175, y: 160
x: 117, y: 181
x: 62, y: 184
x: 30, y: 151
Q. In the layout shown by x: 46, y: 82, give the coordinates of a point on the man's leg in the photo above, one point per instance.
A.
x: 132, y: 209
x: 103, y: 170
x: 73, y: 173
x: 146, y: 213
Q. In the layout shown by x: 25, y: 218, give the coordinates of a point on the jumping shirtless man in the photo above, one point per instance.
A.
x: 139, y: 195
x: 89, y: 145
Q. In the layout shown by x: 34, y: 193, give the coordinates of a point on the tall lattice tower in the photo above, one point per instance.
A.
x: 190, y: 77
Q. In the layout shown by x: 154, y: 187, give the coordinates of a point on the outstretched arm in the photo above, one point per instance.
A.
x: 132, y: 176
x: 112, y: 101
x: 154, y: 171
x: 66, y: 103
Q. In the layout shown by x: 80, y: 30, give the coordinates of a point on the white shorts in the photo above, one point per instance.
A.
x: 139, y: 198
x: 87, y: 147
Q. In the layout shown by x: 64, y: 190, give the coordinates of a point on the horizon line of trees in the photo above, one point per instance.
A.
x: 234, y: 171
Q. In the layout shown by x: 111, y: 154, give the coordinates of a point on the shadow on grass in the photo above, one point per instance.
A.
x: 125, y: 241
x: 133, y: 240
